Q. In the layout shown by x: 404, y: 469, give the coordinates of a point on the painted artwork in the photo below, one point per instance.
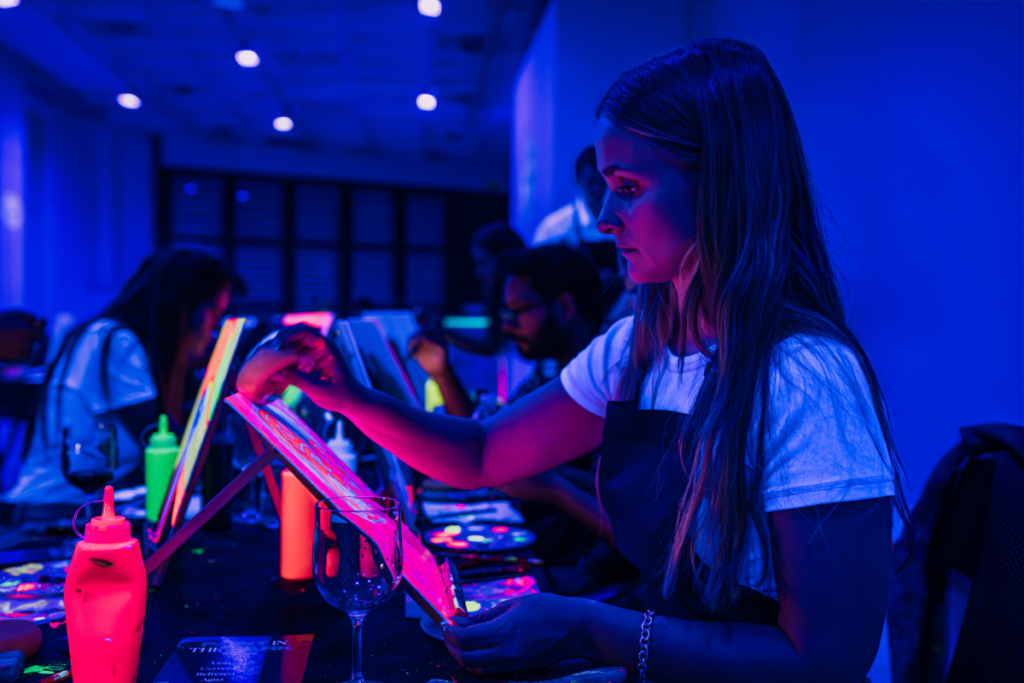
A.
x: 198, y: 426
x: 479, y: 537
x: 33, y: 591
x: 485, y: 595
x: 323, y: 472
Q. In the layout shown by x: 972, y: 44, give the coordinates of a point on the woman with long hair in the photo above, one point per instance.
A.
x: 747, y: 464
x: 126, y: 365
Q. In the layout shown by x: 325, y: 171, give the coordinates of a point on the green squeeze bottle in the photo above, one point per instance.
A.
x: 161, y: 454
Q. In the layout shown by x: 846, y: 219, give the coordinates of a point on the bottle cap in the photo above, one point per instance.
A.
x: 109, y: 527
x: 339, y: 436
x: 163, y: 437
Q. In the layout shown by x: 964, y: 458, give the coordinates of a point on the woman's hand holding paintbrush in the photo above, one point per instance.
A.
x: 299, y: 356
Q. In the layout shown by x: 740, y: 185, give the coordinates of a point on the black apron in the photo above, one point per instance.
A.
x: 640, y: 481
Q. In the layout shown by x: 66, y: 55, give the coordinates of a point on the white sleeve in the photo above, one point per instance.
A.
x: 592, y: 378
x: 824, y: 441
x: 553, y: 227
x: 130, y: 381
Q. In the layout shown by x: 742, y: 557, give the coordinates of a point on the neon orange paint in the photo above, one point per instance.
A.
x: 105, y: 600
x: 298, y: 514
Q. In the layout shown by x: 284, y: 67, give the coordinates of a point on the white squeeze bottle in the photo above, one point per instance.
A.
x: 342, y: 447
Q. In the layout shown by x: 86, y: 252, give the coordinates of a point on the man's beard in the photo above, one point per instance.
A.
x: 552, y: 342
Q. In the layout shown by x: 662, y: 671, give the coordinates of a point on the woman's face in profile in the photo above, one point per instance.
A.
x: 651, y: 205
x: 197, y: 340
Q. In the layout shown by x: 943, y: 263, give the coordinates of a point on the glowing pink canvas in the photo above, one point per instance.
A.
x: 322, y: 471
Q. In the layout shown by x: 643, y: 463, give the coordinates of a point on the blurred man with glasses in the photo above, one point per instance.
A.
x: 551, y: 308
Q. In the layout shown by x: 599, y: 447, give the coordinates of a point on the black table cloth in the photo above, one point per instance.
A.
x: 227, y: 584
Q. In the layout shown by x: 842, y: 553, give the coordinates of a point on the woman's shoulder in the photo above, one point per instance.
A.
x: 592, y: 377
x: 122, y: 339
x: 819, y: 379
x: 124, y: 350
x: 806, y: 359
x: 620, y: 331
x: 825, y: 439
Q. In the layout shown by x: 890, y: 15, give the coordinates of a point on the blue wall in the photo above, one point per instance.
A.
x: 86, y: 189
x: 578, y: 50
x: 911, y: 115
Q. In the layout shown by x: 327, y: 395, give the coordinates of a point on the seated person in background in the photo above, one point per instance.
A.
x: 127, y: 365
x: 551, y: 308
x: 575, y: 225
x: 22, y: 337
x: 486, y: 246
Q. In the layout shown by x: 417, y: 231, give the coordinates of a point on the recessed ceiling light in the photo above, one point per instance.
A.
x: 128, y: 100
x: 247, y: 58
x: 426, y: 101
x: 283, y: 124
x: 429, y: 8
x: 9, y: 4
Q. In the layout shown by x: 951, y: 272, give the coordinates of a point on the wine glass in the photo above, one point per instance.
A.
x: 241, y: 456
x: 357, y: 559
x: 88, y: 456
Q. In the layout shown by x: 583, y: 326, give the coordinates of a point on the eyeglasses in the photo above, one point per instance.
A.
x: 510, y: 316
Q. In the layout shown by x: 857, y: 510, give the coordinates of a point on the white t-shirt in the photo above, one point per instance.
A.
x: 824, y: 443
x: 83, y: 398
x: 569, y: 225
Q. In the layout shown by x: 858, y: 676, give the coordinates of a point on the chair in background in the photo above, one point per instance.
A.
x: 968, y: 531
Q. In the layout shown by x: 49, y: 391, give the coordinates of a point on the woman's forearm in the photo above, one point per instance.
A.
x: 528, y: 437
x: 445, y: 448
x: 693, y: 651
x: 456, y: 401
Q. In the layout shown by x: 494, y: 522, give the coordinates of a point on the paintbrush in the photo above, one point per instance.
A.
x: 480, y: 572
x: 511, y: 559
x: 466, y: 564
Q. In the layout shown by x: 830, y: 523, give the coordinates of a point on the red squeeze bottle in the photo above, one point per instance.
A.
x: 105, y: 600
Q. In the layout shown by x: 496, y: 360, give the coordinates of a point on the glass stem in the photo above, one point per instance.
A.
x: 357, y: 648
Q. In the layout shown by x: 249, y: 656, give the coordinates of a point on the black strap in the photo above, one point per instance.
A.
x: 991, y: 642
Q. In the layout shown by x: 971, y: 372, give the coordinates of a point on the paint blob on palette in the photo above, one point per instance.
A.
x: 483, y: 596
x: 479, y: 537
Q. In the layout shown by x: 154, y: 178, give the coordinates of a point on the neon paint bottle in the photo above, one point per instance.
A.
x: 161, y: 457
x: 105, y: 600
x: 298, y: 515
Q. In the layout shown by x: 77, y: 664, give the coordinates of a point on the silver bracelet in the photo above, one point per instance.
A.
x: 645, y: 641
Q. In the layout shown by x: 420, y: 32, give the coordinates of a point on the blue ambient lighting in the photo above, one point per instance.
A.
x: 429, y: 8
x: 242, y: 196
x: 283, y: 124
x: 129, y: 101
x: 247, y: 58
x: 426, y: 102
x: 190, y: 189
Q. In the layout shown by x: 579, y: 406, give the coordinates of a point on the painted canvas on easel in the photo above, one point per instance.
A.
x: 323, y: 472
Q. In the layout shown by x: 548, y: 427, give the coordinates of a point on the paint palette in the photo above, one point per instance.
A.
x: 479, y: 537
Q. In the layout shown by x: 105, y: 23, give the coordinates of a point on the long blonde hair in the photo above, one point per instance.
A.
x: 762, y: 274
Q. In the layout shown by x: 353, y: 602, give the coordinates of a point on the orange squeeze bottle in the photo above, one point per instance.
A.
x: 105, y: 600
